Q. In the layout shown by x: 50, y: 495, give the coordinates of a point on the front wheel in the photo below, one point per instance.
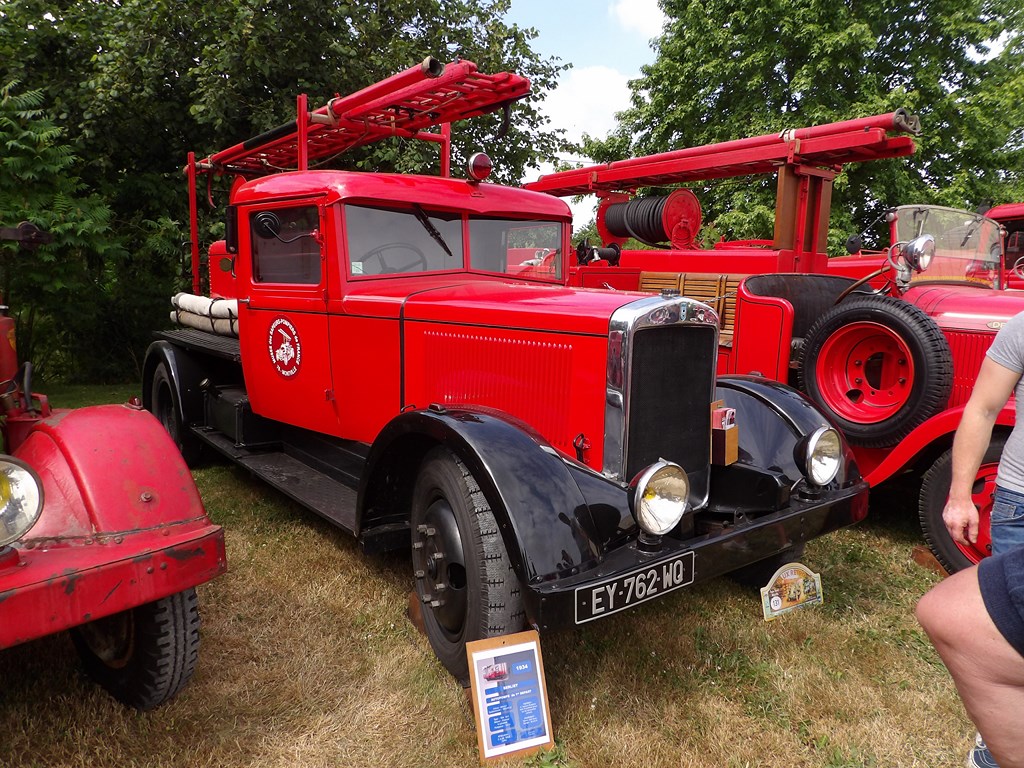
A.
x: 464, y: 580
x: 165, y: 406
x: 934, y: 490
x: 143, y: 656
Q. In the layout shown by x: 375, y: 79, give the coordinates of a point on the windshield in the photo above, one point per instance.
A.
x: 388, y: 240
x: 525, y: 248
x: 967, y: 245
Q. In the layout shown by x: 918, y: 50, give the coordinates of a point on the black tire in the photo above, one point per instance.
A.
x: 143, y: 656
x: 878, y: 366
x: 756, y: 575
x: 464, y: 580
x: 932, y: 500
x: 165, y: 405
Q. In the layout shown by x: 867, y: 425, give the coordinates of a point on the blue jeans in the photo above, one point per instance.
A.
x: 1007, y: 520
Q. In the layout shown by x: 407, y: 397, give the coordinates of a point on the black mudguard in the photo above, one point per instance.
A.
x: 186, y: 374
x: 773, y: 418
x: 556, y: 517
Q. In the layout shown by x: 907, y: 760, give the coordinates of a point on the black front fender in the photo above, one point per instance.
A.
x: 556, y: 517
x: 772, y: 419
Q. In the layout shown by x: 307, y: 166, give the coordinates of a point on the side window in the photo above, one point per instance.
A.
x: 286, y: 245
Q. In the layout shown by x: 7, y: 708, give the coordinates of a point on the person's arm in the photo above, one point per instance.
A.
x: 991, y: 391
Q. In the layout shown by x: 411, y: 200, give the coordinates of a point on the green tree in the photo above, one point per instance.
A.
x: 53, y: 289
x: 725, y: 70
x: 136, y: 84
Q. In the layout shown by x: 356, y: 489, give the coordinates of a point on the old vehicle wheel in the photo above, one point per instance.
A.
x: 164, y: 404
x: 145, y: 655
x: 878, y: 366
x: 464, y: 580
x: 757, y: 574
x: 934, y: 489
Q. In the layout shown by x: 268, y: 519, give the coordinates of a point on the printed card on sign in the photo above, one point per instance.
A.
x: 510, y: 699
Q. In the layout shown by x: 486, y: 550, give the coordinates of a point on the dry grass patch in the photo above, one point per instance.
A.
x: 308, y: 659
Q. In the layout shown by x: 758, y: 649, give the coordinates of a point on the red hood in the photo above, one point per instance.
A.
x: 488, y: 302
x: 965, y: 308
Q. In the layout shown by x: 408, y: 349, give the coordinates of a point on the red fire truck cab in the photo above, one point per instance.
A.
x: 402, y: 355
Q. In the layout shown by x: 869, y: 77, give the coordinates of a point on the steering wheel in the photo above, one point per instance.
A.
x: 1018, y: 268
x: 420, y: 259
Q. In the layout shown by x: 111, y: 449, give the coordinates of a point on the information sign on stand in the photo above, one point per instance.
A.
x: 510, y: 699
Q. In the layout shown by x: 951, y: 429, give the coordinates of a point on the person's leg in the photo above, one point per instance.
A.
x: 987, y: 670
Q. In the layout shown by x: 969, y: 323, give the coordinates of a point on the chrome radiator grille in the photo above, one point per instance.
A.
x: 661, y: 379
x: 668, y: 411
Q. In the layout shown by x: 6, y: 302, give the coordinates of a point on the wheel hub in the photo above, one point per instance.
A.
x: 866, y: 372
x: 440, y: 567
x: 111, y: 639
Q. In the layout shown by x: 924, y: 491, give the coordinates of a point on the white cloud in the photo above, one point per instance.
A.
x: 586, y: 101
x: 641, y: 16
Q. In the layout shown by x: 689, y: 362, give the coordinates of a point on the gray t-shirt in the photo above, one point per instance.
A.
x: 1008, y: 351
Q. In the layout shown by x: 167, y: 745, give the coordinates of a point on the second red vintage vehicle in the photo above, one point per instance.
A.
x: 402, y: 355
x: 892, y: 366
x: 102, y: 532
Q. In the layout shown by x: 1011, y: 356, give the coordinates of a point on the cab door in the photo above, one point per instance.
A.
x: 282, y: 275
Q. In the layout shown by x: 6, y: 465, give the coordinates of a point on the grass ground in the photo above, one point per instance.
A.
x: 308, y: 659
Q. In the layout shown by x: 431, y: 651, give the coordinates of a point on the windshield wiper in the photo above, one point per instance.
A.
x: 422, y: 218
x: 970, y: 231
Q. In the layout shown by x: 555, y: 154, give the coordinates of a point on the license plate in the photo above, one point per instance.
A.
x: 595, y: 601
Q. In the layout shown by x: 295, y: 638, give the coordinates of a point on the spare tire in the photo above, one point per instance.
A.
x: 878, y: 366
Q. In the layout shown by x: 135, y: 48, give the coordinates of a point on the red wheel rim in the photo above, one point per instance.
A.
x: 981, y: 495
x: 865, y: 372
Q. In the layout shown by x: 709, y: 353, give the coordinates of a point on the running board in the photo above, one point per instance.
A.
x: 296, y: 480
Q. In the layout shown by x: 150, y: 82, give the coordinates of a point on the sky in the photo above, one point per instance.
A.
x: 606, y: 41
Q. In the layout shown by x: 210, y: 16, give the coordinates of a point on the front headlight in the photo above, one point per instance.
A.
x: 21, y: 499
x: 820, y: 455
x: 660, y: 496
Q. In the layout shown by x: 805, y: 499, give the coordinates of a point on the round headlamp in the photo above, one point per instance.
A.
x: 21, y: 499
x: 822, y: 455
x: 660, y: 495
x: 919, y: 252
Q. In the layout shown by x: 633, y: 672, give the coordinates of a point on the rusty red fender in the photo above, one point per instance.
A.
x: 122, y: 524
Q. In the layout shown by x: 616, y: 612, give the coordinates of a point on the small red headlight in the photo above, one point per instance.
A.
x: 479, y: 166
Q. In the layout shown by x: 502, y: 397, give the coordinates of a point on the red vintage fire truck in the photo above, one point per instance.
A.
x: 888, y: 344
x: 102, y: 532
x: 402, y: 355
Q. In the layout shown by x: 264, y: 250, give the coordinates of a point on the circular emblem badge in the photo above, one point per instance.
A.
x: 284, y: 347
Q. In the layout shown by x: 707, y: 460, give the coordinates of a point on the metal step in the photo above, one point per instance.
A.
x: 309, y: 487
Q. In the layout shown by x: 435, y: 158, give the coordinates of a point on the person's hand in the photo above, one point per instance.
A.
x: 960, y: 517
